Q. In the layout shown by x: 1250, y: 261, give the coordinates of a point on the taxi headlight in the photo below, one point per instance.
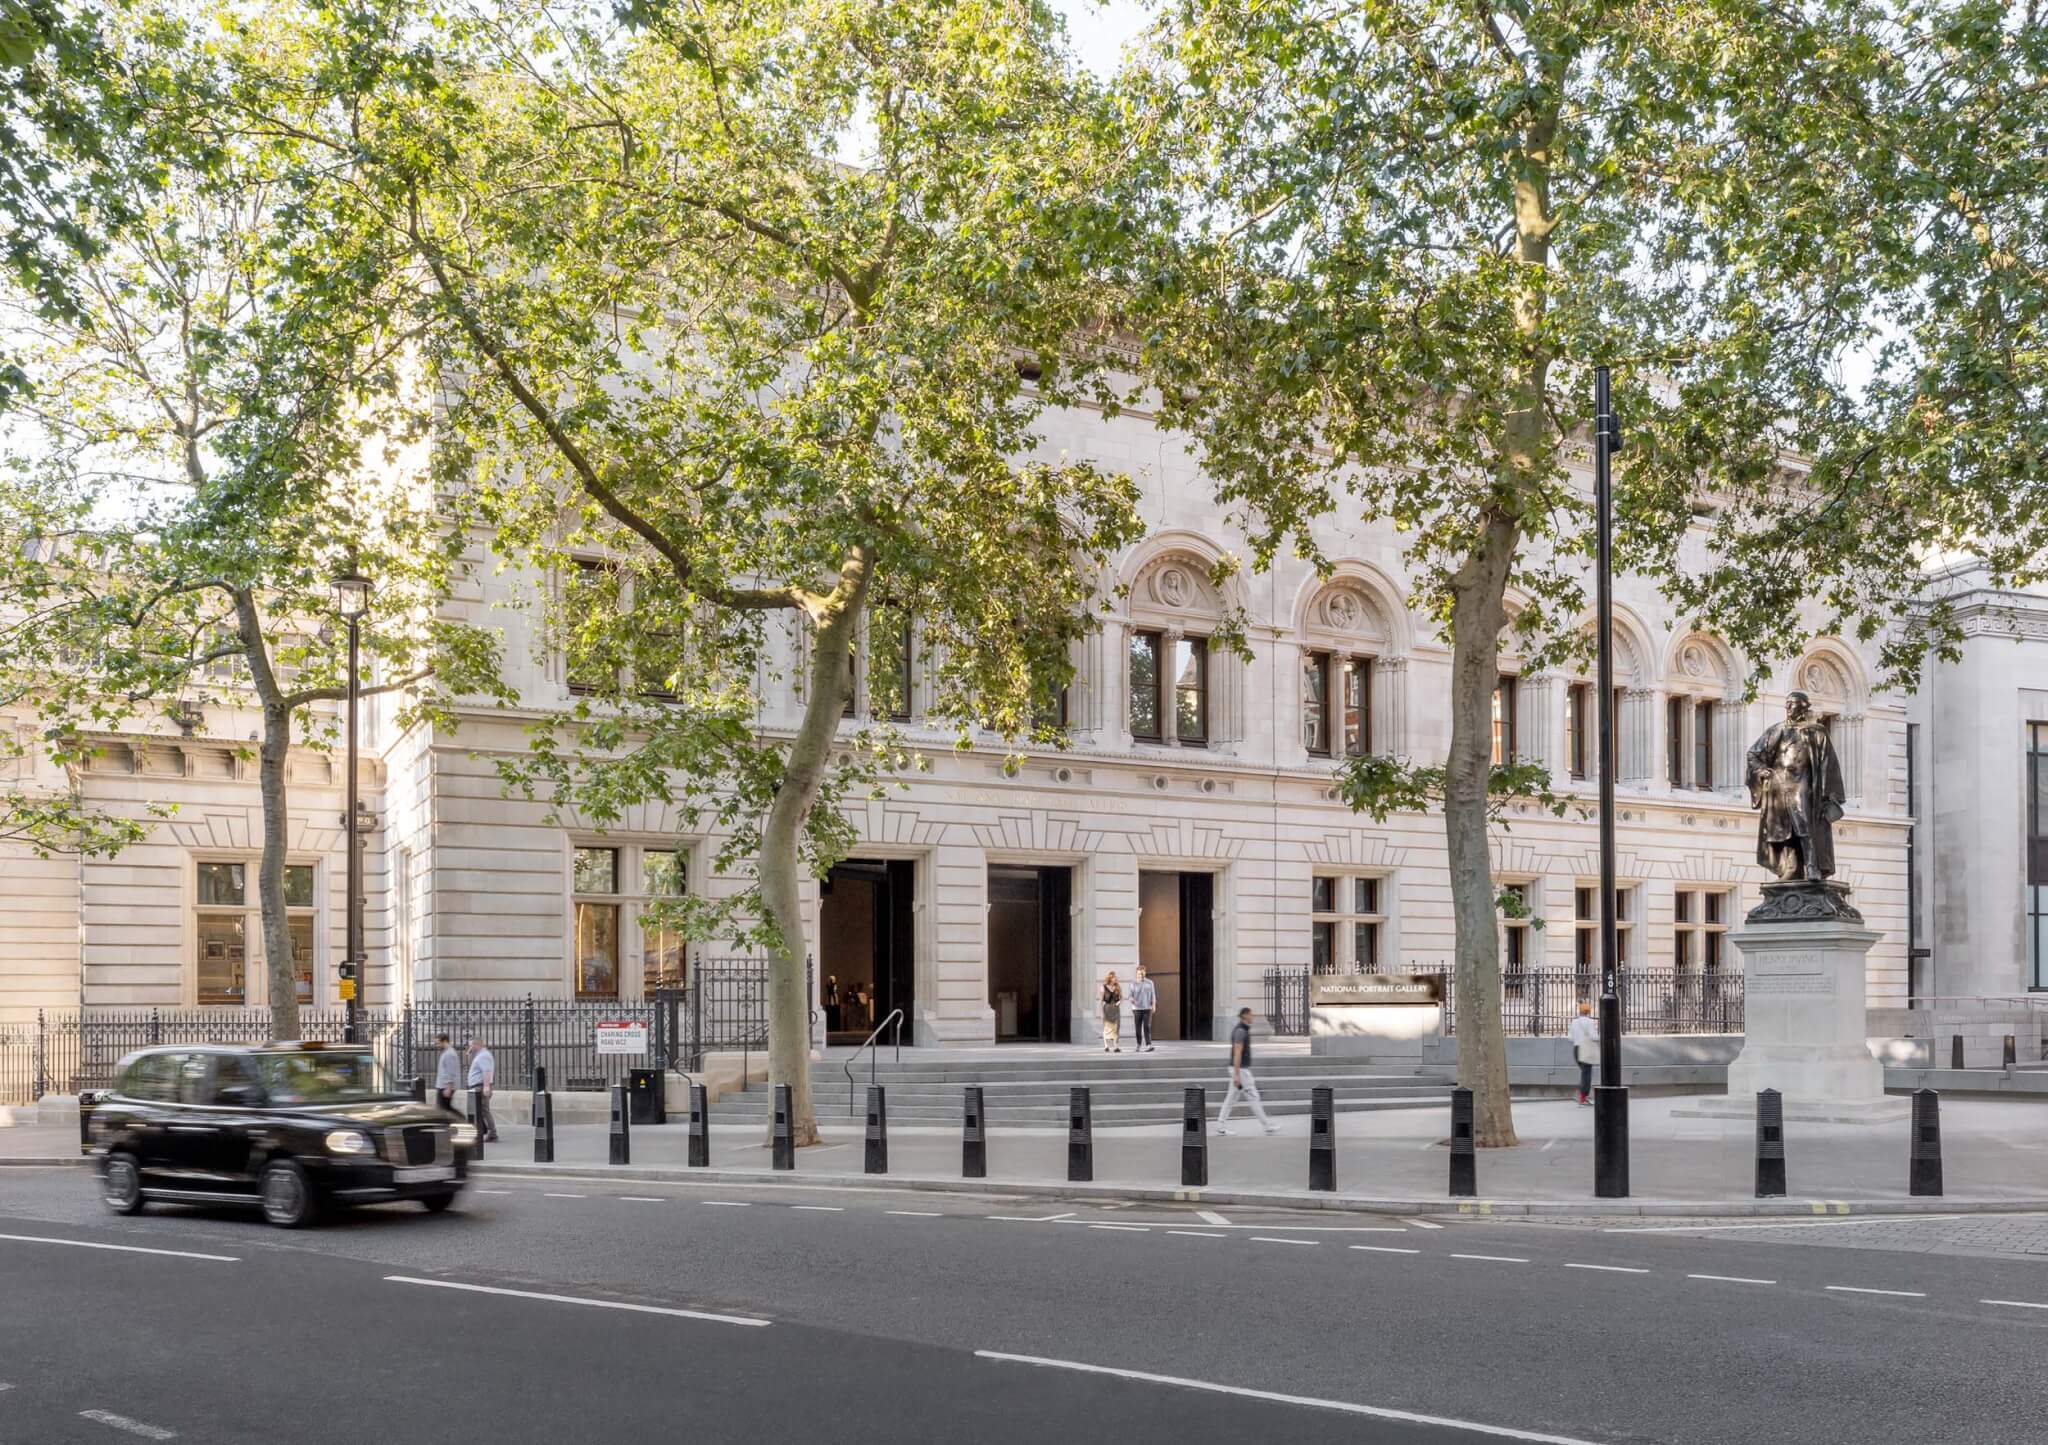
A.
x: 464, y: 1134
x: 350, y: 1141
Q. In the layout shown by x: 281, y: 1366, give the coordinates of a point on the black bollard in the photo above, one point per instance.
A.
x: 1610, y: 1142
x: 543, y: 1127
x: 782, y: 1153
x: 700, y: 1127
x: 1080, y: 1137
x: 2012, y: 1051
x: 1955, y: 1052
x: 1770, y: 1144
x: 476, y: 1119
x: 622, y: 1126
x: 540, y: 1077
x: 973, y: 1136
x: 1322, y: 1139
x: 88, y: 1100
x: 1194, y: 1138
x: 416, y: 1086
x: 1924, y: 1172
x: 1464, y: 1166
x: 878, y: 1131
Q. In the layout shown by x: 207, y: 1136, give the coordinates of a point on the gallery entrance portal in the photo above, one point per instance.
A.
x: 867, y: 946
x: 1030, y: 953
x: 1176, y: 943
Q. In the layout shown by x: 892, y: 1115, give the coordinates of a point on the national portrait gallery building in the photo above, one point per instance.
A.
x: 1192, y: 825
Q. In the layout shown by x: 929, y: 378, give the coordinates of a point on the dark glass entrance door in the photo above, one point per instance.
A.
x: 1176, y: 943
x: 1030, y: 953
x: 867, y: 946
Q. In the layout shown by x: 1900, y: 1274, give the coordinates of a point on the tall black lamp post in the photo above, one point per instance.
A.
x: 352, y: 601
x: 1610, y: 1099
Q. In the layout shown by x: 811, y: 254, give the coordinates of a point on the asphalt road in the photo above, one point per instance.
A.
x: 900, y: 1317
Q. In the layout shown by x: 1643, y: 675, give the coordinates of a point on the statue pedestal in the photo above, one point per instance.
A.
x: 1805, y: 1007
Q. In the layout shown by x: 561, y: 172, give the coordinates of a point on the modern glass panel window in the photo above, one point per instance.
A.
x: 1315, y: 704
x: 1578, y: 702
x: 1144, y: 686
x: 1191, y: 690
x: 229, y: 928
x: 1504, y: 740
x: 1357, y: 702
x: 1348, y: 924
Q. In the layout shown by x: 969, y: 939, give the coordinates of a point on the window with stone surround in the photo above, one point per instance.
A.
x: 1586, y: 927
x: 1504, y: 732
x: 1348, y: 922
x: 1336, y: 705
x: 611, y: 886
x: 1699, y: 923
x: 228, y: 928
x: 1518, y: 933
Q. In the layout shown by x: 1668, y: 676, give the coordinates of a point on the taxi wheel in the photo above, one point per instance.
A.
x: 288, y: 1199
x: 438, y: 1203
x: 121, y: 1184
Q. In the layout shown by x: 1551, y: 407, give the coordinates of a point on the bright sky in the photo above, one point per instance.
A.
x: 1101, y: 28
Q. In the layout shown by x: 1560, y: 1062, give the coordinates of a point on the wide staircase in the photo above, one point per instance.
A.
x: 1031, y: 1088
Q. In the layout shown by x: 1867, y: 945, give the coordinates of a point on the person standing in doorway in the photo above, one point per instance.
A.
x: 1144, y: 998
x: 1112, y: 1010
x: 1242, y: 1084
x: 1585, y: 1037
x: 483, y: 1077
x: 447, y: 1072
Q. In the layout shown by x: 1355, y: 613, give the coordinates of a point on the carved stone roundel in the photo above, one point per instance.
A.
x: 1342, y: 611
x: 1820, y: 678
x: 1176, y: 588
x: 1695, y: 660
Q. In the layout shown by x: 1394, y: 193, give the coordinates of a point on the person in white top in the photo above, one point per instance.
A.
x: 483, y: 1076
x: 1585, y: 1037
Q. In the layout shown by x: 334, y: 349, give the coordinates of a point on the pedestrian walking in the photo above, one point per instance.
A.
x: 1242, y: 1083
x: 1144, y: 998
x: 447, y: 1072
x: 1585, y: 1037
x: 1112, y: 1007
x: 483, y: 1075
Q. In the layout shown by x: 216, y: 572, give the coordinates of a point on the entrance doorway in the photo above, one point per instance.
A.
x: 1030, y: 953
x: 866, y: 946
x: 1176, y: 943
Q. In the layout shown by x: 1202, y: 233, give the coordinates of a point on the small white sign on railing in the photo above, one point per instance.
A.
x: 621, y: 1036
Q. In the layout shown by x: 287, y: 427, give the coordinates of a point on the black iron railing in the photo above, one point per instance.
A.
x: 1543, y: 1001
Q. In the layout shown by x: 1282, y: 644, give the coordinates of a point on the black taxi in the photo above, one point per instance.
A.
x: 288, y: 1127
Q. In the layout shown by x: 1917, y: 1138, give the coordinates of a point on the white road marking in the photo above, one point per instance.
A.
x: 1730, y: 1279
x: 1493, y: 1258
x: 4, y: 1386
x: 2017, y: 1304
x: 727, y: 1203
x: 916, y: 1213
x: 565, y: 1196
x: 1781, y: 1224
x: 1424, y: 1224
x: 821, y: 1208
x: 1385, y: 1249
x: 494, y: 1191
x: 1198, y: 1233
x: 1609, y: 1268
x: 133, y: 1427
x: 570, y: 1299
x: 1347, y: 1407
x: 1030, y: 1218
x: 1858, y: 1289
x: 1275, y: 1239
x: 1210, y: 1216
x: 122, y: 1248
x: 1548, y: 1145
x: 648, y: 1199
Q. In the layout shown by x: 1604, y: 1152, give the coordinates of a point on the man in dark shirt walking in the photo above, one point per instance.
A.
x: 1242, y: 1084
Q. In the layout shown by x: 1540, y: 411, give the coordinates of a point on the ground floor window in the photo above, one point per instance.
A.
x: 1348, y: 921
x: 1699, y: 923
x: 1518, y: 922
x: 613, y: 888
x: 229, y: 930
x: 1586, y: 920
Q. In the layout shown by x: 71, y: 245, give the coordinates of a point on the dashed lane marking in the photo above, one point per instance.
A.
x: 1385, y: 1249
x: 133, y: 1427
x: 1494, y: 1258
x: 2014, y: 1304
x: 121, y: 1248
x: 727, y: 1203
x: 1276, y: 1239
x: 1859, y: 1289
x: 565, y: 1196
x: 1198, y: 1233
x: 570, y: 1299
x: 647, y: 1199
x: 1126, y: 1228
x: 1609, y: 1268
x: 1731, y: 1279
x: 916, y: 1213
x: 821, y: 1208
x: 494, y: 1191
x: 1348, y: 1407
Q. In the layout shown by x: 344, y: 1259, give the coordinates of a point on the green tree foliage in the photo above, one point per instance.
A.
x: 760, y: 305
x: 1413, y: 226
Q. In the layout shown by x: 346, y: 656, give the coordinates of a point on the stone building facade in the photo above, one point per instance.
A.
x: 1191, y: 824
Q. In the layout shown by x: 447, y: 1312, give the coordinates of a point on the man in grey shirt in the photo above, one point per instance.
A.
x: 447, y: 1072
x: 483, y: 1074
x: 1144, y: 998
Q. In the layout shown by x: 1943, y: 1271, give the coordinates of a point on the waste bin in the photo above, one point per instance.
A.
x: 647, y: 1098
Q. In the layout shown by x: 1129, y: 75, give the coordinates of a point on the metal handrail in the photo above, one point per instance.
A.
x: 895, y: 1017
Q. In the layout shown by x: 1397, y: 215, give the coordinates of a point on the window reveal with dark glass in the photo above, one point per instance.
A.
x: 1504, y: 739
x: 1191, y: 690
x: 1144, y: 686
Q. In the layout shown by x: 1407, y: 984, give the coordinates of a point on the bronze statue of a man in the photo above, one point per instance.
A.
x: 1795, y: 778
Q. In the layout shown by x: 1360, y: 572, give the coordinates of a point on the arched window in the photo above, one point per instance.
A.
x: 1579, y: 757
x: 1179, y: 689
x: 1702, y: 727
x: 1348, y: 690
x: 1832, y: 684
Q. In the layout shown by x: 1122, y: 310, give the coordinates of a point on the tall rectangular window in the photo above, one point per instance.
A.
x: 1699, y: 919
x: 890, y: 678
x: 1144, y: 686
x: 663, y: 954
x: 1347, y: 927
x: 1315, y: 704
x: 1703, y: 745
x: 2037, y: 855
x: 596, y: 883
x: 1504, y: 740
x: 229, y: 929
x: 592, y: 593
x: 1577, y: 709
x: 1516, y: 926
x: 1586, y: 927
x: 1357, y: 706
x: 1674, y: 741
x: 1191, y: 690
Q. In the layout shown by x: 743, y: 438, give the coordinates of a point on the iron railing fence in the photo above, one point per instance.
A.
x: 723, y: 1006
x: 1543, y: 1001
